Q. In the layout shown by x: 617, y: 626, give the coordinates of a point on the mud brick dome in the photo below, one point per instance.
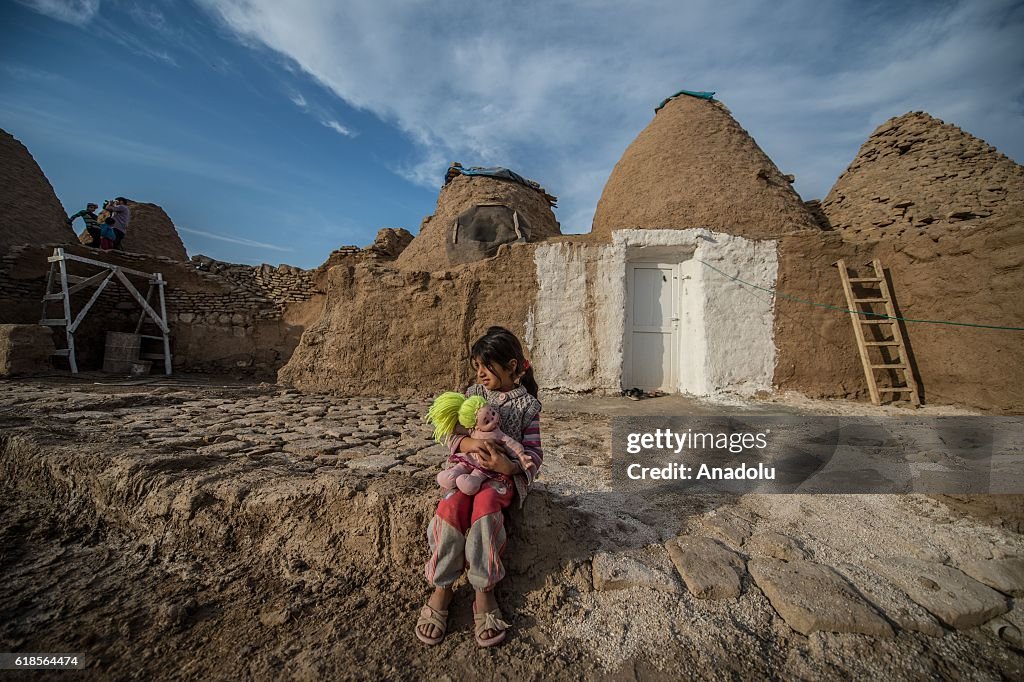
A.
x: 695, y: 166
x: 30, y: 212
x: 916, y: 171
x: 427, y: 251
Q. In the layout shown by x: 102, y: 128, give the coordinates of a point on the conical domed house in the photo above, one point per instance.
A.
x: 943, y: 211
x: 691, y: 205
x: 917, y: 172
x: 704, y: 274
x: 151, y: 231
x: 25, y: 191
x: 695, y: 166
x: 478, y: 210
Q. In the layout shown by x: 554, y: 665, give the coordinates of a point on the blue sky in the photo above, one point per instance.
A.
x: 277, y: 131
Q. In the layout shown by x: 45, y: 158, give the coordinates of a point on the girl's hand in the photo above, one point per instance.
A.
x: 473, y: 446
x: 491, y: 455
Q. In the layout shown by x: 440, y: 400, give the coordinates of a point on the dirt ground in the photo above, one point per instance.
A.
x: 189, y: 529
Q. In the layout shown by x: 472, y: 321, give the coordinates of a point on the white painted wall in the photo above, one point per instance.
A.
x: 561, y: 334
x: 726, y: 329
x: 738, y: 320
x: 692, y: 339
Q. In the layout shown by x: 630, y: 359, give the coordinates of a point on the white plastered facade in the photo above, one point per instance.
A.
x: 576, y: 330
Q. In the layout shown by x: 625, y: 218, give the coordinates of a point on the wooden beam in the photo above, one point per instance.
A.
x: 68, y: 332
x: 89, y: 281
x: 92, y: 299
x: 897, y: 334
x: 110, y: 266
x: 163, y: 313
x: 138, y: 297
x: 142, y: 315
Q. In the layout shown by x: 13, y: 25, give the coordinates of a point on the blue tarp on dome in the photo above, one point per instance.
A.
x: 497, y: 172
x: 692, y: 93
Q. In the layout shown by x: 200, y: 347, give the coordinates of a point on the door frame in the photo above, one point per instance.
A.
x: 672, y: 385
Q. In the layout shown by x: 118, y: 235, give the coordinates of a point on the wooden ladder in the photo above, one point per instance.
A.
x: 887, y: 336
x: 146, y: 352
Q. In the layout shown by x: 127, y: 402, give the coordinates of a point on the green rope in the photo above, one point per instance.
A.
x: 857, y: 312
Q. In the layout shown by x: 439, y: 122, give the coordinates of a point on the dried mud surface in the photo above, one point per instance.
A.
x: 176, y: 531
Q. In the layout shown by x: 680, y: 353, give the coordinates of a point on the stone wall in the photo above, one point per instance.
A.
x: 281, y: 285
x: 218, y: 323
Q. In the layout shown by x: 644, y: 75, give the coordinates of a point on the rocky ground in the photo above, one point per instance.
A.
x: 176, y: 530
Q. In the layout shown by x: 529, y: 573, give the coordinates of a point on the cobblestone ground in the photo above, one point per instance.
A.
x: 208, y: 531
x: 240, y: 423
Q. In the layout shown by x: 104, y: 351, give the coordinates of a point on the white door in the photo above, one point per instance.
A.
x: 650, y: 327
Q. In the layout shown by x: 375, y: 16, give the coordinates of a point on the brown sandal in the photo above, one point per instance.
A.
x: 489, y: 621
x: 431, y: 616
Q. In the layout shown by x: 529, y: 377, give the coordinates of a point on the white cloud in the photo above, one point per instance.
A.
x: 233, y: 240
x: 30, y: 73
x: 324, y: 115
x: 557, y: 91
x: 148, y: 16
x: 78, y: 12
x: 337, y: 127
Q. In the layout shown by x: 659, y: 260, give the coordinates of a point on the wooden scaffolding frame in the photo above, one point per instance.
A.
x: 70, y: 284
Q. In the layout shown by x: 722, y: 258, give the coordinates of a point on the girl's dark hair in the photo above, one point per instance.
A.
x: 499, y: 346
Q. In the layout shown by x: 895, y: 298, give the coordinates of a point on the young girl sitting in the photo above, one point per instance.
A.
x: 469, y: 530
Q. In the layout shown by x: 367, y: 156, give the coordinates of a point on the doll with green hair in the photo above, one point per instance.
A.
x: 452, y: 410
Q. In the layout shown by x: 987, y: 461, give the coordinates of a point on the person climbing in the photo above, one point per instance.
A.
x: 121, y: 214
x: 88, y: 216
x: 468, y: 531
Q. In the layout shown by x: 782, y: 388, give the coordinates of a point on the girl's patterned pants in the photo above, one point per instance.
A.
x: 468, y: 531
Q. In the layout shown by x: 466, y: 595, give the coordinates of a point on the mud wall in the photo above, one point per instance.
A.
x: 386, y: 331
x: 566, y: 300
x: 965, y: 274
